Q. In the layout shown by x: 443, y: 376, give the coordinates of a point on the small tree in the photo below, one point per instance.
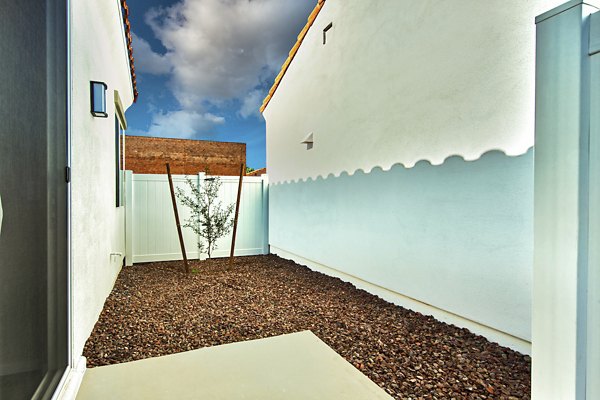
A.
x: 209, y: 219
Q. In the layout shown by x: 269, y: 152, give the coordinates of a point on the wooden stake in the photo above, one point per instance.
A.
x: 181, y: 243
x: 237, y: 210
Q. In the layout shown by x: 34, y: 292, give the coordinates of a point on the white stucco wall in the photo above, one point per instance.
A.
x: 457, y: 237
x: 403, y: 81
x: 99, y: 53
x: 400, y: 82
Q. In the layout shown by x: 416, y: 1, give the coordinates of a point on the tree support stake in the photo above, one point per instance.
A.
x: 181, y: 243
x: 237, y: 210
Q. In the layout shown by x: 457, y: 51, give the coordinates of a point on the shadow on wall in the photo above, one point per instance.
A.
x: 458, y: 236
x: 422, y: 162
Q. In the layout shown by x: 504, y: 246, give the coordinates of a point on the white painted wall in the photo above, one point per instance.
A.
x: 450, y: 237
x: 400, y: 82
x: 403, y: 81
x: 98, y: 52
x: 153, y: 233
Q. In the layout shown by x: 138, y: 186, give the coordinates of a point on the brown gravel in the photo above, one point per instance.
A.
x: 155, y: 309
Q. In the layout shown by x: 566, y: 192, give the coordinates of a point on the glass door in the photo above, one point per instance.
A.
x: 33, y: 194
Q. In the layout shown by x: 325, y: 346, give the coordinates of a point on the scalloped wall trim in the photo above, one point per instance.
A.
x: 457, y: 237
x: 400, y: 164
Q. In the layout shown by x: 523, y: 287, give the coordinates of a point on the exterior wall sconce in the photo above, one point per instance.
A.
x: 98, y: 99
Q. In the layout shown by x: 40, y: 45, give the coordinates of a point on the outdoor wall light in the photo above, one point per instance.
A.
x: 98, y: 99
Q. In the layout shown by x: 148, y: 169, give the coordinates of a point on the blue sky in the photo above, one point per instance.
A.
x: 204, y: 66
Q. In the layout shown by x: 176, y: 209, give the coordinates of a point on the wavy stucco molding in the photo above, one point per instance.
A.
x: 407, y: 166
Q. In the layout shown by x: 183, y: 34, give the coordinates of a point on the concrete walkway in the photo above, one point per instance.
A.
x: 294, y: 366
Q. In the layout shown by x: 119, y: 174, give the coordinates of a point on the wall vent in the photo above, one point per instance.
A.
x: 308, y: 141
x: 328, y: 27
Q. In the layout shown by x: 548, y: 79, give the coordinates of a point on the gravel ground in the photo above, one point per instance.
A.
x: 155, y: 309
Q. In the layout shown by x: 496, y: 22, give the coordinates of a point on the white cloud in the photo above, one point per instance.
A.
x: 146, y: 60
x: 251, y: 104
x: 182, y: 124
x: 220, y: 50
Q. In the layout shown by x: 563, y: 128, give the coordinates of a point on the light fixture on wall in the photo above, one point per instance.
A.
x: 98, y: 99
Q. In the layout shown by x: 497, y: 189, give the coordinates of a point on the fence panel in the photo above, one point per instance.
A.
x: 152, y: 234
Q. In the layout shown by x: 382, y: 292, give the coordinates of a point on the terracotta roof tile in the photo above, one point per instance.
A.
x: 257, y: 172
x: 129, y: 48
x: 292, y: 54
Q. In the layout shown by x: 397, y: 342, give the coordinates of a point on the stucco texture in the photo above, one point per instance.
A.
x: 422, y: 118
x: 458, y: 237
x: 403, y: 81
x: 99, y: 53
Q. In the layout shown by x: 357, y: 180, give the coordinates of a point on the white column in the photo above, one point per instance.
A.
x: 129, y: 218
x: 201, y: 178
x: 265, y: 210
x: 561, y: 218
x: 593, y: 303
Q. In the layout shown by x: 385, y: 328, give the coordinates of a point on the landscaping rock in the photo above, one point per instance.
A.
x: 156, y: 309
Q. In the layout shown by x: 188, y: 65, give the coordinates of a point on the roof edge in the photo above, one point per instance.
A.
x: 311, y: 19
x: 125, y: 9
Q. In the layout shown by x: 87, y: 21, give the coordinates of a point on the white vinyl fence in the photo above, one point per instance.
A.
x: 150, y: 225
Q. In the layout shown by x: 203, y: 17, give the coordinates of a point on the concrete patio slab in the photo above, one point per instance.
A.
x: 294, y: 366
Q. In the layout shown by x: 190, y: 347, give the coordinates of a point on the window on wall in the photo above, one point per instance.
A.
x: 119, y: 161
